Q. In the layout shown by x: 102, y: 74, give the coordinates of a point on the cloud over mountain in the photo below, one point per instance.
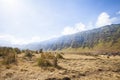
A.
x: 105, y: 19
x: 76, y: 28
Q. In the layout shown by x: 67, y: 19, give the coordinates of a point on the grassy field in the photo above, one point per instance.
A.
x: 73, y: 66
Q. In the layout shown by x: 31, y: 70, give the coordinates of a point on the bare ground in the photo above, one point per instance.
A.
x: 74, y: 66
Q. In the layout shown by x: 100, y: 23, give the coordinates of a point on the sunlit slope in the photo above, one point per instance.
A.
x: 106, y: 38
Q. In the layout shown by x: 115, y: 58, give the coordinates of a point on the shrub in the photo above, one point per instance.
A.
x: 59, y: 56
x: 28, y: 54
x: 41, y: 50
x: 37, y: 52
x: 1, y: 54
x: 18, y: 51
x: 43, y: 62
x: 49, y: 55
x: 23, y: 51
x: 10, y: 57
x: 47, y: 59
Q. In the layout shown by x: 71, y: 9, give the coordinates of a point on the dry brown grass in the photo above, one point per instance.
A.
x: 74, y: 66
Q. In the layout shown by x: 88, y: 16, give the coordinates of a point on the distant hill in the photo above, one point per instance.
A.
x: 106, y: 38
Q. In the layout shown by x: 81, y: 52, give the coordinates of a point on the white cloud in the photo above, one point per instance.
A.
x: 13, y: 40
x: 20, y: 41
x: 103, y: 19
x: 76, y: 28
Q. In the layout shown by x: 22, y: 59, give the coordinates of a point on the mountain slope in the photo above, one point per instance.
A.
x: 104, y: 38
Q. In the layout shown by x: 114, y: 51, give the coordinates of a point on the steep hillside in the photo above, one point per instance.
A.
x: 106, y: 38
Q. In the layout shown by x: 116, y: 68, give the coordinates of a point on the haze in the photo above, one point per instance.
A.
x: 27, y: 21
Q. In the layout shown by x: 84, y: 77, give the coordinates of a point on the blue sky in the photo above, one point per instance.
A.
x: 26, y: 21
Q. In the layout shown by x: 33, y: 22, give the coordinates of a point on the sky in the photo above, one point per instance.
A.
x: 27, y: 21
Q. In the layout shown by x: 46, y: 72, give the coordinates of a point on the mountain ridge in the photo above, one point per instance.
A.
x: 106, y: 38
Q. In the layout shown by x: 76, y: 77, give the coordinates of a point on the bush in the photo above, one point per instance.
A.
x: 41, y: 51
x: 8, y: 54
x: 1, y: 54
x: 59, y: 56
x: 37, y: 52
x: 47, y: 59
x: 28, y: 54
x: 18, y: 51
x: 10, y: 57
x: 43, y: 62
